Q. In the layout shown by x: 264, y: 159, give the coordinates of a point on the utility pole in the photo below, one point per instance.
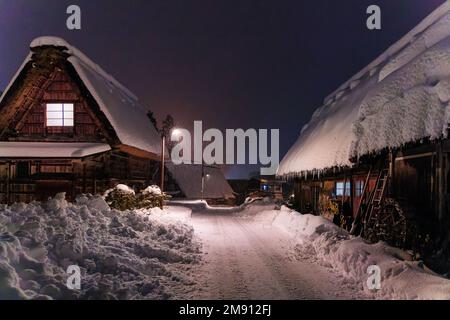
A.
x: 203, y: 179
x: 163, y: 151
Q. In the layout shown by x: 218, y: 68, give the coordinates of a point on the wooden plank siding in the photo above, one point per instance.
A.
x: 93, y: 175
x: 419, y: 182
x: 60, y: 90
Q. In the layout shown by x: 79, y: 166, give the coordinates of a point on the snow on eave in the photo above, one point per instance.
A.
x: 313, y: 173
x: 51, y: 149
x: 392, y: 50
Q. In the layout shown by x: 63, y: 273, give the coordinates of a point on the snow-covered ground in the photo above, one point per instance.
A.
x: 194, y: 251
x: 145, y: 254
x: 262, y: 252
x: 248, y: 260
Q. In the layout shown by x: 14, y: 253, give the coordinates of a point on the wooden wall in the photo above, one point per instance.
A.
x: 46, y: 177
x: 305, y: 191
x: 62, y: 89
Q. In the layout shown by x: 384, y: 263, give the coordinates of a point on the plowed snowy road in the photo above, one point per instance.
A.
x: 247, y: 260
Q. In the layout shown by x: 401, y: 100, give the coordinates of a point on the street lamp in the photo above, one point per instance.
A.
x: 174, y: 132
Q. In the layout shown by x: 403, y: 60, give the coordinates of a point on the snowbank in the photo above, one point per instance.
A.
x: 351, y: 256
x: 143, y: 254
x: 251, y: 206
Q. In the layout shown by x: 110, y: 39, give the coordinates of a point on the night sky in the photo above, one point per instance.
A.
x: 232, y: 64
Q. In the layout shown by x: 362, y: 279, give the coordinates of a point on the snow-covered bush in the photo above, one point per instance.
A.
x: 123, y: 198
x: 151, y: 197
x: 152, y: 190
x: 140, y: 254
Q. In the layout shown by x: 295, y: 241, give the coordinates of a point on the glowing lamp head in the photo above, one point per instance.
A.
x: 176, y: 133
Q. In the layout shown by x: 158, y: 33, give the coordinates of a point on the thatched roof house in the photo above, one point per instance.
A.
x: 401, y: 97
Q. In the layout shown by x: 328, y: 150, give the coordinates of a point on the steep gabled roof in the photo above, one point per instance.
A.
x: 401, y: 97
x: 120, y: 106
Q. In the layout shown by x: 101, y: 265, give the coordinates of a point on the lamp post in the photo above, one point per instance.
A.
x: 174, y: 132
x: 203, y: 179
x: 163, y: 151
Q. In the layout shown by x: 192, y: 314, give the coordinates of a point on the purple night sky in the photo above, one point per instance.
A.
x: 232, y: 64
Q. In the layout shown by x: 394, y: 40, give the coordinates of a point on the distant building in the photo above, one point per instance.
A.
x: 270, y: 186
x: 187, y: 183
x: 244, y: 187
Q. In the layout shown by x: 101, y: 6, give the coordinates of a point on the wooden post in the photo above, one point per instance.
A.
x: 8, y: 183
x: 84, y: 177
x: 344, y: 192
x: 391, y: 176
x: 352, y: 191
x: 74, y: 180
x: 440, y: 171
x: 298, y: 193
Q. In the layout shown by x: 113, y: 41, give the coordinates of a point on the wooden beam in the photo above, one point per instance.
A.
x: 440, y: 172
x: 391, y: 189
x: 416, y: 156
x: 352, y: 191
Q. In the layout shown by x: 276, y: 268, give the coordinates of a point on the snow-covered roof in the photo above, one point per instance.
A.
x: 50, y: 149
x: 189, y: 177
x: 120, y: 105
x: 403, y: 96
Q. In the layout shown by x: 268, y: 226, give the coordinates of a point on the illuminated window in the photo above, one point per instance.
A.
x: 359, y: 188
x: 340, y: 189
x: 60, y: 115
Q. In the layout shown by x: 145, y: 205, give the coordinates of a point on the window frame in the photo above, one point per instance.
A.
x: 63, y: 113
x: 344, y: 191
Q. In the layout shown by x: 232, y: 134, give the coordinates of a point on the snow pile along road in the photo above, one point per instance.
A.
x: 317, y: 238
x: 142, y: 254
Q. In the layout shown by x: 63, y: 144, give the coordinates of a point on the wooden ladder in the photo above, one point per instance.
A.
x: 377, y: 197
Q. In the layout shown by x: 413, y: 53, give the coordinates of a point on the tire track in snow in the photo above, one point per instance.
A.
x: 247, y: 260
x: 294, y: 284
x: 233, y: 286
x: 258, y: 275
